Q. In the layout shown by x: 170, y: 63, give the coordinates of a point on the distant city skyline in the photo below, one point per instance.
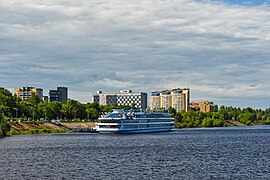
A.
x: 218, y: 49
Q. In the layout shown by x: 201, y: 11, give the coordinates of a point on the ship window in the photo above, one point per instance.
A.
x: 109, y: 126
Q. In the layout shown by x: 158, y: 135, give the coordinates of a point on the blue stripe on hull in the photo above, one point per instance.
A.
x: 138, y: 131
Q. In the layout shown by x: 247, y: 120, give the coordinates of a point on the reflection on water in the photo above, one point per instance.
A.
x: 210, y: 153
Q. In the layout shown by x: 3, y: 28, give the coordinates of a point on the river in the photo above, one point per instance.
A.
x: 206, y: 153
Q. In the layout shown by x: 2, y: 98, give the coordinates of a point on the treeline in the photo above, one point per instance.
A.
x: 225, y: 116
x: 13, y: 108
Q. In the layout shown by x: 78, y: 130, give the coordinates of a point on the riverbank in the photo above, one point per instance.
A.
x: 44, y: 127
x: 71, y: 125
x: 236, y: 123
x: 35, y: 128
x: 65, y: 127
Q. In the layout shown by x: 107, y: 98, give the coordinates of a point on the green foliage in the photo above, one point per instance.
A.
x: 14, y: 109
x: 223, y: 117
x: 246, y: 118
x: 74, y: 110
x: 50, y: 110
x: 172, y: 111
x: 37, y: 131
x: 4, y: 126
x: 178, y: 118
x: 207, y: 122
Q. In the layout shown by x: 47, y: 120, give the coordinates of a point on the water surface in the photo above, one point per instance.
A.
x: 210, y: 153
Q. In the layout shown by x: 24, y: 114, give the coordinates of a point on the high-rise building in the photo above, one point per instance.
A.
x: 63, y: 94
x: 60, y: 94
x: 28, y: 92
x: 175, y: 98
x: 124, y: 97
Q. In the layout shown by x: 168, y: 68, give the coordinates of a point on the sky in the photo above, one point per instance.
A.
x: 219, y: 49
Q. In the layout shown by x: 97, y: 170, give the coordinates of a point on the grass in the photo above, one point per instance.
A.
x: 37, y: 131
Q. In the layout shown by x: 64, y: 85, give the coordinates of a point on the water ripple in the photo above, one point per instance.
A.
x: 215, y: 153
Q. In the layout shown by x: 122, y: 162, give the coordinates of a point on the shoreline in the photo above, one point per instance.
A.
x: 23, y: 128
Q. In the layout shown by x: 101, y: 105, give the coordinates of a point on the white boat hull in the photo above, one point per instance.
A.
x: 134, y: 130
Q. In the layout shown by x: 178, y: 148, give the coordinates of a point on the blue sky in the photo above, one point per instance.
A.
x: 220, y: 50
x: 247, y: 2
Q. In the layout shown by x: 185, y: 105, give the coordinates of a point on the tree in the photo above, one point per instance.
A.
x: 178, y: 117
x: 172, y: 111
x: 207, y: 122
x: 7, y: 103
x: 246, y: 118
x: 74, y: 110
x: 93, y: 113
x: 50, y: 110
x: 4, y: 126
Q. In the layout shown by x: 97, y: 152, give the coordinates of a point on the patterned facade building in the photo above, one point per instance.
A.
x: 125, y: 97
x: 175, y: 98
x: 109, y: 99
x: 27, y: 92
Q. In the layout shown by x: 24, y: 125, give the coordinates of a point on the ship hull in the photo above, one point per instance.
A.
x: 133, y: 131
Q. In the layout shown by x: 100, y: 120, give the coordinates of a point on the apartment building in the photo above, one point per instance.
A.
x: 175, y: 98
x: 203, y: 106
x: 124, y: 97
x: 28, y: 92
x: 206, y: 106
x: 194, y: 106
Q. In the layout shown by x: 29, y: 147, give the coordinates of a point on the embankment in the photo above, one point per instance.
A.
x: 71, y: 125
x: 41, y: 127
x: 35, y: 128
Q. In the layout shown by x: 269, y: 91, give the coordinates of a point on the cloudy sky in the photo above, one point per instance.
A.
x: 219, y: 49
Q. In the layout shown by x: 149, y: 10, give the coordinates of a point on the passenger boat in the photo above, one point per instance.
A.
x: 130, y: 121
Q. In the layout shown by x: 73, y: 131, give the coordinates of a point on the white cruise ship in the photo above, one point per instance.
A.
x: 120, y: 121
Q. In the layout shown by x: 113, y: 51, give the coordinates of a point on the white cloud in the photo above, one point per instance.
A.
x: 109, y: 83
x: 220, y: 51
